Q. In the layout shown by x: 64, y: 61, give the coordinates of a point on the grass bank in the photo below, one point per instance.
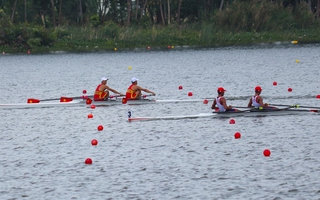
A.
x: 112, y: 36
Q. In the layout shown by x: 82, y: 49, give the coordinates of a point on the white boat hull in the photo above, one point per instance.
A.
x: 40, y: 105
x: 139, y: 102
x: 227, y: 114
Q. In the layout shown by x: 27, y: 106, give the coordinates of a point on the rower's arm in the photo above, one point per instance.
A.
x: 224, y: 103
x: 148, y: 91
x: 214, y: 104
x: 260, y: 101
x: 113, y: 90
x: 250, y: 103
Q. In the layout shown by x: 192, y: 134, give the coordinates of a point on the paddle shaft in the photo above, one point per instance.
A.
x: 295, y: 106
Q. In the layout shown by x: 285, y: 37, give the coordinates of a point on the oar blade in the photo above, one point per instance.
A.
x: 31, y: 100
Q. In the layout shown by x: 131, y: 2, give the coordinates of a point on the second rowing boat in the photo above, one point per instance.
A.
x: 254, y: 112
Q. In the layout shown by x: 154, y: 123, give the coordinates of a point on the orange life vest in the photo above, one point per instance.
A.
x: 131, y: 94
x: 99, y: 95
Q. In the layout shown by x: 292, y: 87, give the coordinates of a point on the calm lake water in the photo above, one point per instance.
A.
x: 43, y: 150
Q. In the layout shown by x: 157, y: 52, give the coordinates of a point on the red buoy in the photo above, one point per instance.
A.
x: 232, y: 121
x: 237, y: 135
x: 88, y: 161
x: 318, y: 96
x: 90, y: 116
x: 190, y: 94
x: 266, y: 152
x: 205, y: 101
x: 84, y: 91
x: 100, y: 128
x: 180, y: 87
x: 94, y: 142
x: 289, y: 89
x: 93, y: 106
x: 275, y: 83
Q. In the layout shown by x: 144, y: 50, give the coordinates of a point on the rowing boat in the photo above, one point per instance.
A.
x: 118, y: 101
x: 72, y: 102
x: 40, y: 104
x: 254, y: 112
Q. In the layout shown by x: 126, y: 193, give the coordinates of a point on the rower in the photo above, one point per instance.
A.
x: 134, y: 91
x: 220, y: 103
x: 102, y: 91
x: 256, y: 101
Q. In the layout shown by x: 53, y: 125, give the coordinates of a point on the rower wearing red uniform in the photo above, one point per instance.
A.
x: 220, y: 103
x: 134, y: 91
x: 102, y: 91
x: 257, y: 101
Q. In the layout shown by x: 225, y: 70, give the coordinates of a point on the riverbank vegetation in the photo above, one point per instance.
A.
x: 51, y: 25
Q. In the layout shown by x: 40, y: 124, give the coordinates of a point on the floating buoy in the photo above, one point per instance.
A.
x: 100, y: 128
x: 318, y: 96
x: 237, y: 135
x: 148, y: 47
x: 115, y: 49
x: 297, y: 61
x: 169, y: 47
x: 294, y: 42
x: 90, y: 116
x: 275, y: 83
x: 205, y: 101
x: 93, y: 106
x: 94, y: 142
x: 266, y: 152
x: 3, y: 53
x: 129, y: 67
x: 190, y: 94
x: 88, y: 161
x: 172, y: 47
x: 180, y: 87
x: 84, y: 91
x: 232, y: 121
x: 28, y: 52
x: 289, y: 89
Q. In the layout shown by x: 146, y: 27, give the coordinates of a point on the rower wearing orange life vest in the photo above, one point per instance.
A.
x: 134, y: 91
x: 257, y: 101
x: 220, y: 103
x: 102, y: 91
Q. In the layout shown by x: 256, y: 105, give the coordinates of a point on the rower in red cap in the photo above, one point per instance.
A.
x: 256, y: 101
x: 220, y: 103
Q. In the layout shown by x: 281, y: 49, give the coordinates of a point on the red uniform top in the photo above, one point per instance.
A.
x: 99, y: 95
x: 130, y: 94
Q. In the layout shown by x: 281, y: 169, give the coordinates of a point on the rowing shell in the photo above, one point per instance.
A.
x: 40, y: 105
x: 118, y: 101
x: 248, y: 113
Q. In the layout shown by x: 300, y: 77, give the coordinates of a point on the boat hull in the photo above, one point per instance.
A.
x: 248, y: 113
x: 40, y: 105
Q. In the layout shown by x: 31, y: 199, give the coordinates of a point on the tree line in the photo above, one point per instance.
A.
x: 226, y: 15
x: 78, y: 12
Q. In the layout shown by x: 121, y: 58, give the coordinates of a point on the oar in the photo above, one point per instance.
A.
x: 32, y: 100
x: 295, y: 106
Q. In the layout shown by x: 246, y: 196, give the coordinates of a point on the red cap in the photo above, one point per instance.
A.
x: 221, y: 89
x: 258, y: 89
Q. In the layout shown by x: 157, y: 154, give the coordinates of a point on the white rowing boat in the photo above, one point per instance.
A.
x: 256, y: 113
x: 119, y: 101
x: 40, y: 104
x: 71, y: 102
